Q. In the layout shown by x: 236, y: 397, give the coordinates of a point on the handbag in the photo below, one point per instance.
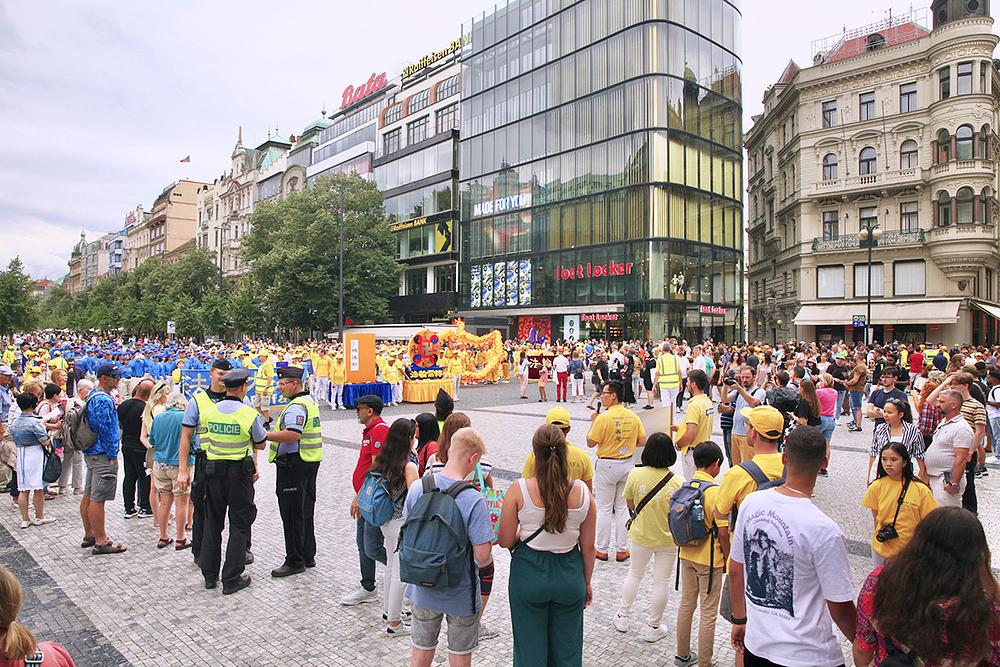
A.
x: 494, y: 501
x: 52, y: 469
x: 646, y: 498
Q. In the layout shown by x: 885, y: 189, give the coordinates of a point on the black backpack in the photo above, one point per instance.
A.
x: 761, y: 479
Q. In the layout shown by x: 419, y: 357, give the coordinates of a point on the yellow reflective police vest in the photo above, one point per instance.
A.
x: 227, y: 437
x: 311, y: 442
x: 668, y: 371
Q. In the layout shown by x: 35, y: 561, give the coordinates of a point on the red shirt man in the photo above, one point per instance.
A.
x: 372, y: 438
x: 916, y: 362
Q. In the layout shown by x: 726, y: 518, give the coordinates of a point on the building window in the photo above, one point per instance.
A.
x: 944, y: 83
x: 831, y: 225
x: 867, y: 164
x: 908, y: 278
x: 908, y: 221
x: 861, y: 279
x: 867, y: 217
x: 444, y: 278
x: 447, y: 118
x: 907, y: 97
x: 964, y: 214
x: 448, y: 87
x: 393, y: 113
x: 416, y: 131
x: 944, y: 210
x: 943, y: 147
x: 390, y: 141
x: 416, y: 281
x: 984, y: 72
x: 963, y: 79
x: 908, y: 155
x: 963, y: 143
x: 830, y: 113
x: 829, y: 167
x: 866, y: 106
x: 419, y: 101
x: 830, y: 282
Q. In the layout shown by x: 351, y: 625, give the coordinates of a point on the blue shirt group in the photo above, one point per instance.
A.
x: 102, y: 416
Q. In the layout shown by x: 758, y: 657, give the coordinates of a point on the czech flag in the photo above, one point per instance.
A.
x: 187, y: 159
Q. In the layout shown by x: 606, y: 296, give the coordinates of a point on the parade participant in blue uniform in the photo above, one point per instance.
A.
x: 233, y: 430
x: 296, y: 451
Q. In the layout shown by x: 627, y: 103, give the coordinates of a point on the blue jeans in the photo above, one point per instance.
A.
x: 826, y: 427
x: 840, y: 402
x: 371, y: 548
x: 856, y: 400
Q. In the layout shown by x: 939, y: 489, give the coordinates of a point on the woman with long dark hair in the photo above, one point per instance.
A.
x: 898, y: 427
x: 394, y: 465
x: 549, y: 522
x: 429, y: 432
x: 937, y: 599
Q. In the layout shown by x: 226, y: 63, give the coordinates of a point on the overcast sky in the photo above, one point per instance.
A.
x: 100, y: 100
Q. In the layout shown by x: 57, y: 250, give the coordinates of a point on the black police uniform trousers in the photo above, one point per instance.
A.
x: 198, y: 500
x: 228, y: 489
x: 295, y: 486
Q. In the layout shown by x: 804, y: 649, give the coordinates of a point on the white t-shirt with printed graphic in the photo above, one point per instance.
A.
x: 794, y: 560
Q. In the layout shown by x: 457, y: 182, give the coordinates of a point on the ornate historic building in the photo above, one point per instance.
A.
x: 893, y: 128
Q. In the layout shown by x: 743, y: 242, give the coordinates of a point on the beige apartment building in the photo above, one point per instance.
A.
x: 171, y: 223
x: 893, y: 128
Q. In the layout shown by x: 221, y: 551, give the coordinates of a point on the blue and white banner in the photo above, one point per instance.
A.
x: 194, y: 380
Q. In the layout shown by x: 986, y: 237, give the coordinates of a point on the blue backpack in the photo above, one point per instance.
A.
x: 434, y: 547
x: 687, y: 522
x: 374, y: 501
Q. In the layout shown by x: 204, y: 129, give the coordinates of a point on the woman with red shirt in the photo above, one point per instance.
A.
x: 936, y: 600
x: 17, y: 644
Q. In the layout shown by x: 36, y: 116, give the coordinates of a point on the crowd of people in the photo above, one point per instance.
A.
x: 736, y: 528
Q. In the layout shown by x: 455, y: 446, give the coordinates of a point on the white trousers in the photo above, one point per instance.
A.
x: 322, y: 390
x: 663, y: 566
x: 397, y: 393
x: 456, y: 382
x: 668, y: 397
x: 612, y: 512
x: 336, y: 396
x: 392, y: 587
x: 576, y: 387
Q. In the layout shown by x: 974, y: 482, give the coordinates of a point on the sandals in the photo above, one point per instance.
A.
x: 87, y: 542
x: 109, y: 548
x: 182, y: 544
x: 164, y: 543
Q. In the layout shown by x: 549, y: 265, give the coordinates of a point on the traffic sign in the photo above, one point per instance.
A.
x: 859, y: 322
x: 171, y: 327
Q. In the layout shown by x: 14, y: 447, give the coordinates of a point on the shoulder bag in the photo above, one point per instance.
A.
x: 649, y: 496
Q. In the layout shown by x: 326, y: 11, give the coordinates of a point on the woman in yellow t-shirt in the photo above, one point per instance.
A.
x: 896, y: 482
x: 649, y: 533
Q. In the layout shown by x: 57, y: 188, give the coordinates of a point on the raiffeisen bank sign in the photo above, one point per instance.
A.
x: 502, y: 205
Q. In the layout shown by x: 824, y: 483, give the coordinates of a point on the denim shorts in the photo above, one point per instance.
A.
x: 463, y: 631
x: 856, y: 399
x: 827, y: 426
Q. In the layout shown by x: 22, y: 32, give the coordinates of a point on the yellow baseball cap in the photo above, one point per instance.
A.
x: 765, y: 420
x: 558, y: 417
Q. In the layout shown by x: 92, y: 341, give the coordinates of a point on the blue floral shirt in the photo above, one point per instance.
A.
x: 103, y: 419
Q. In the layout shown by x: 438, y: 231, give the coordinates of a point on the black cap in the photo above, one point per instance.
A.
x: 109, y: 370
x: 222, y: 364
x: 372, y: 401
x: 293, y: 372
x: 236, y: 378
x: 443, y: 402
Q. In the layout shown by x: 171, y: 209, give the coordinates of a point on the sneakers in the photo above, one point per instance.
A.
x: 823, y: 472
x: 621, y: 624
x: 651, y: 634
x: 358, y: 597
x: 25, y: 524
x: 42, y: 521
x: 981, y: 471
x: 486, y: 632
x: 684, y: 662
x: 145, y: 514
x: 404, y: 616
x: 401, y: 630
x: 131, y: 514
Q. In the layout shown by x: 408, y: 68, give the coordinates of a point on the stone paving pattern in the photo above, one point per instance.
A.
x: 149, y: 607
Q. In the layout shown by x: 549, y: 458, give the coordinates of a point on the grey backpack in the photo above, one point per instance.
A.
x: 76, y: 432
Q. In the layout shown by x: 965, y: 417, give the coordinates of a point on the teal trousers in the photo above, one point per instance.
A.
x: 547, y: 593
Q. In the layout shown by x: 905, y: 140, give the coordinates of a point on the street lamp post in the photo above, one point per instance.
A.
x: 340, y: 276
x: 869, y: 235
x: 778, y: 323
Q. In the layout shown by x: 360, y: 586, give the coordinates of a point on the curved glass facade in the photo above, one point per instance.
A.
x: 601, y: 161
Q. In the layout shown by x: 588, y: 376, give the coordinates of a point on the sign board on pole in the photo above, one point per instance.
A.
x: 571, y: 327
x: 171, y: 327
x: 360, y: 359
x: 859, y: 322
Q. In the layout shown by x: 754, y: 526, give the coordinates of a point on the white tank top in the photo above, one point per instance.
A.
x: 531, y: 517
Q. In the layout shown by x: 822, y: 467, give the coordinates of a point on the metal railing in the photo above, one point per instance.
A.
x: 853, y: 242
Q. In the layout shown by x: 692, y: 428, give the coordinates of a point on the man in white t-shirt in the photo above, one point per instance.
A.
x: 685, y: 365
x: 993, y: 409
x: 789, y: 573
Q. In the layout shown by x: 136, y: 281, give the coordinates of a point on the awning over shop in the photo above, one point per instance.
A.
x: 992, y: 311
x: 933, y: 312
x: 550, y: 310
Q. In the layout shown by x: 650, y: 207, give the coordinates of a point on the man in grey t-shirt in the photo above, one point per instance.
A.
x: 946, y: 457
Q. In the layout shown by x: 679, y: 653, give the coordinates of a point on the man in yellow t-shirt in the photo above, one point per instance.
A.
x: 702, y: 565
x: 698, y: 420
x: 616, y: 433
x: 321, y: 369
x: 391, y: 374
x: 338, y: 377
x: 453, y: 369
x: 578, y: 461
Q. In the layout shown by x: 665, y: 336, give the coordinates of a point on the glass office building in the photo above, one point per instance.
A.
x: 601, y: 168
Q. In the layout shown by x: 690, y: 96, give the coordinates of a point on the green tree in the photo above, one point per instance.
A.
x: 293, y: 253
x: 18, y: 311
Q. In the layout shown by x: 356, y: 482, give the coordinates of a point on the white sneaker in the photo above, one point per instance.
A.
x: 621, y: 624
x: 400, y: 630
x: 684, y: 662
x: 486, y: 632
x: 358, y: 596
x: 654, y: 634
x: 43, y: 521
x: 25, y: 524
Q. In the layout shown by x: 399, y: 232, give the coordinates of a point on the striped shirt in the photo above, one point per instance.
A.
x: 912, y: 439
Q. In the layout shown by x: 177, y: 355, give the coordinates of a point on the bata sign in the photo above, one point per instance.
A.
x: 589, y: 270
x: 352, y: 95
x: 500, y: 205
x: 713, y: 310
x: 429, y: 60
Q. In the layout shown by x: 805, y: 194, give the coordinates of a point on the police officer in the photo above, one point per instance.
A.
x: 233, y: 430
x: 296, y: 450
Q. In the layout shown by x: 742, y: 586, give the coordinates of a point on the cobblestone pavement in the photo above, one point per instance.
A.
x: 148, y: 606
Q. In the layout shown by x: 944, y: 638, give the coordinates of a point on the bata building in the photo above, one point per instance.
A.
x: 601, y: 170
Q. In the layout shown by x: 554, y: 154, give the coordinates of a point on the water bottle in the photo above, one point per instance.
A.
x: 698, y: 512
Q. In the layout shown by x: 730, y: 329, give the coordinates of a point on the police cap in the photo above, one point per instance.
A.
x: 222, y: 364
x: 236, y: 378
x: 292, y: 372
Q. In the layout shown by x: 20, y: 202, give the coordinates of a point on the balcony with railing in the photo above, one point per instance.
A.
x: 847, y: 242
x: 963, y: 167
x: 863, y: 182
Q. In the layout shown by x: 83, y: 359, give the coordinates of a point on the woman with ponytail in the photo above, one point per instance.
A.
x: 548, y: 522
x: 19, y: 646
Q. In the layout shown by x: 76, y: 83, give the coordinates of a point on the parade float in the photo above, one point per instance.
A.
x: 432, y: 353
